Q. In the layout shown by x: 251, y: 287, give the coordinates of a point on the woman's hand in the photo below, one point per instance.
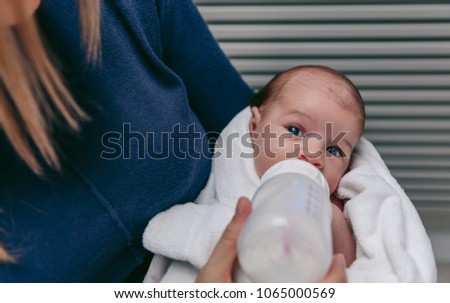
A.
x: 336, y: 273
x: 219, y: 267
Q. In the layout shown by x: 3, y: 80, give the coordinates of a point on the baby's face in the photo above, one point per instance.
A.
x: 307, y: 124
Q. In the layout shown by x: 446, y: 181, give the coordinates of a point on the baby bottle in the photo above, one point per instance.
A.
x: 287, y: 238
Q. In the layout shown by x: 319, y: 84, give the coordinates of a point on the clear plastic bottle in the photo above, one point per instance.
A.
x: 287, y: 238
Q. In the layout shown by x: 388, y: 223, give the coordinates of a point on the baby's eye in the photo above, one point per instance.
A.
x: 296, y: 131
x: 335, y: 151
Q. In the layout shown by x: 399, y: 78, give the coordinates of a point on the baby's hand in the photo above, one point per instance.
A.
x: 343, y: 239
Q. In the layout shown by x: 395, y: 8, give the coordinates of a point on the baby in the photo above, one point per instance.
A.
x: 312, y: 113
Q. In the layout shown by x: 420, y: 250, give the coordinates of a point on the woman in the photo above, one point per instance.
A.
x: 80, y: 180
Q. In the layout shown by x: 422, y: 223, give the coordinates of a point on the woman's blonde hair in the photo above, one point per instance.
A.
x: 33, y: 95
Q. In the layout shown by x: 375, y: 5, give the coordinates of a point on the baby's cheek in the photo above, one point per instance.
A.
x: 262, y: 164
x: 333, y: 183
x: 333, y: 173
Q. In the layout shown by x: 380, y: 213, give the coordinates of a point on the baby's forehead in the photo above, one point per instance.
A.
x: 311, y: 79
x: 336, y: 88
x: 305, y: 83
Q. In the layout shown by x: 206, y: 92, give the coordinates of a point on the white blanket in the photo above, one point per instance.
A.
x: 392, y: 245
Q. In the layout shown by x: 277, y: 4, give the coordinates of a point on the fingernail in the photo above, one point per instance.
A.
x: 340, y: 260
x: 239, y: 210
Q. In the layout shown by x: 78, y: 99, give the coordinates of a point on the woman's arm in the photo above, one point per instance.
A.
x: 215, y: 89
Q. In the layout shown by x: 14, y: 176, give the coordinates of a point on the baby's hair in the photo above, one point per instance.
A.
x: 270, y: 92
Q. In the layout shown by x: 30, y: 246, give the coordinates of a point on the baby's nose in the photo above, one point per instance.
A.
x: 313, y: 151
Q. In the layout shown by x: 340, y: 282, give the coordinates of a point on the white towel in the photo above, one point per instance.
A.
x: 392, y: 245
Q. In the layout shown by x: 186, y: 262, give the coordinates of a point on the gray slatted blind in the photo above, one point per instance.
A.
x: 396, y: 52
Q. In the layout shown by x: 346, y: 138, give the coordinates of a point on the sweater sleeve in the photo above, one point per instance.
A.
x: 215, y: 89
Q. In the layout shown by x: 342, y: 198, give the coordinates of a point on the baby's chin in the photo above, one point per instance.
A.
x: 338, y: 202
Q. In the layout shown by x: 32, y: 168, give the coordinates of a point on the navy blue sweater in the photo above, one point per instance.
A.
x: 161, y: 82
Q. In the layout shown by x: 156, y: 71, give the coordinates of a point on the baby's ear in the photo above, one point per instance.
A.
x: 256, y: 118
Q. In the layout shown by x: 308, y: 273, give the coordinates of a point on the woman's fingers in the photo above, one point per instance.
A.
x: 336, y: 273
x: 220, y: 264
